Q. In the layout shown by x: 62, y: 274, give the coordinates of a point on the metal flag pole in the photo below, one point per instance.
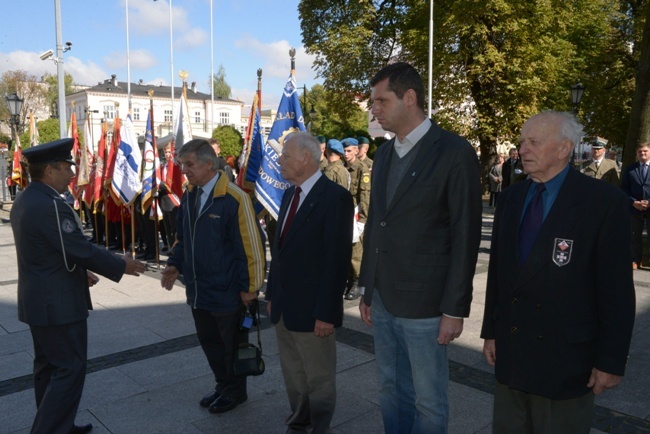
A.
x: 63, y: 131
x: 430, y: 55
x: 128, y: 61
x: 211, y: 73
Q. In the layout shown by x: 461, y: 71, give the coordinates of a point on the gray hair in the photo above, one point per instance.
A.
x: 306, y: 142
x: 569, y: 128
x: 202, y: 149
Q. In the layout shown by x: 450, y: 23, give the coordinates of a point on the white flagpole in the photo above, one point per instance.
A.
x: 63, y: 118
x: 211, y: 73
x: 171, y: 56
x: 128, y: 60
x: 430, y: 54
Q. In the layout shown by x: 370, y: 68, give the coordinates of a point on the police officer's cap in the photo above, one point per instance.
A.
x: 58, y: 150
x: 336, y: 146
x: 363, y: 140
x: 350, y: 141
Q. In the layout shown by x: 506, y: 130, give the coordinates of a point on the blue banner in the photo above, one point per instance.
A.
x: 263, y: 167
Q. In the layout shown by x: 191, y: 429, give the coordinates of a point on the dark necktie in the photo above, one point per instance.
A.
x: 531, y: 223
x: 197, y: 202
x: 291, y: 214
x: 644, y: 171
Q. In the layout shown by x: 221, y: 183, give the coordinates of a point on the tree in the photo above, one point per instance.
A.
x: 496, y: 63
x: 230, y: 139
x: 220, y: 86
x: 639, y: 128
x: 28, y: 87
x: 52, y: 82
x: 328, y: 120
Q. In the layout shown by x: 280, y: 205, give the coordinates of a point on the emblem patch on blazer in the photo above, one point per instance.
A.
x: 562, y: 251
x: 68, y: 226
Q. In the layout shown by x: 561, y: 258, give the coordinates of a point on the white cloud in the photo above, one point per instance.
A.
x: 87, y: 73
x: 82, y: 73
x: 276, y: 57
x: 139, y: 59
x: 193, y: 38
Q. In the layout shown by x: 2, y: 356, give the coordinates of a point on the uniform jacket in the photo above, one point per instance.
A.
x: 360, y: 187
x: 425, y: 242
x: 221, y: 253
x: 570, y: 307
x: 308, y: 273
x: 635, y: 186
x: 607, y: 171
x: 337, y: 172
x: 44, y: 226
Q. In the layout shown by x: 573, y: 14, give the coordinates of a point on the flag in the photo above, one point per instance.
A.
x: 76, y: 153
x: 109, y: 163
x: 263, y: 168
x: 251, y: 130
x: 85, y: 155
x: 100, y: 158
x: 126, y: 183
x: 17, y: 175
x: 150, y: 166
x: 34, y: 138
x: 182, y: 134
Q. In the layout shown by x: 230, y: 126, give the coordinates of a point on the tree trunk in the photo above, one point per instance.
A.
x: 639, y: 129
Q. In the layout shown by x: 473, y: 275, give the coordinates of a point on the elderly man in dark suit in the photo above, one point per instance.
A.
x: 54, y: 263
x: 311, y: 256
x: 636, y: 185
x: 421, y: 242
x: 559, y: 308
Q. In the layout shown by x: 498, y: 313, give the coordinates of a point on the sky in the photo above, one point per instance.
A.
x: 247, y: 35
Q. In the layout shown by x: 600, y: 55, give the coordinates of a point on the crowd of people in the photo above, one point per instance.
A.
x: 560, y: 301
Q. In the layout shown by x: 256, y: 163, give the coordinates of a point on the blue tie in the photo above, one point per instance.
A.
x: 531, y: 223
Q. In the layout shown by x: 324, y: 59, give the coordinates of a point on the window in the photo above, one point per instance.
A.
x: 168, y: 115
x: 109, y: 111
x: 224, y: 118
x: 136, y: 113
x: 197, y: 117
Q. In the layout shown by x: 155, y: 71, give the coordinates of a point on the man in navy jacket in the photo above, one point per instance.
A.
x: 311, y: 255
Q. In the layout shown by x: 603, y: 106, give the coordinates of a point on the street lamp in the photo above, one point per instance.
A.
x: 577, y: 90
x: 15, y: 104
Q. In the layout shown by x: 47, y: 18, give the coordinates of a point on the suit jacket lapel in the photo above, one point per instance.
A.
x: 426, y: 152
x: 305, y: 209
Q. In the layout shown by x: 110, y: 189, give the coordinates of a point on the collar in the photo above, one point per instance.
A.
x: 309, y: 184
x: 411, y: 139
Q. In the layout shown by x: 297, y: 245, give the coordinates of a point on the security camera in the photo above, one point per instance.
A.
x: 47, y: 54
x: 68, y: 44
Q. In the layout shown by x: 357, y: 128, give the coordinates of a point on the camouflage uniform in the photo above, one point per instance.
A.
x: 323, y: 165
x: 337, y: 172
x: 360, y: 191
x: 368, y: 162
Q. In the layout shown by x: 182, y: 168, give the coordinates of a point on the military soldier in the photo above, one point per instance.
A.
x: 323, y: 159
x: 360, y: 191
x: 600, y: 167
x: 364, y: 145
x: 336, y: 170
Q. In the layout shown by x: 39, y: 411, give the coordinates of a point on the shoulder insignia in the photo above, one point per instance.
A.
x: 366, y: 179
x: 68, y: 226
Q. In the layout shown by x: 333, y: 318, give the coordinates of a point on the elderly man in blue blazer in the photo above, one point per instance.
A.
x: 311, y: 255
x: 559, y: 306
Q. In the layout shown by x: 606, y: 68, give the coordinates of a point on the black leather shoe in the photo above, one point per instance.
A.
x: 226, y: 403
x: 211, y: 397
x: 81, y: 429
x: 352, y: 293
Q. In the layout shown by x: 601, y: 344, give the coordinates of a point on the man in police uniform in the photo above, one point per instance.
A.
x: 335, y: 169
x: 364, y: 145
x: 55, y: 260
x: 600, y: 167
x: 360, y: 191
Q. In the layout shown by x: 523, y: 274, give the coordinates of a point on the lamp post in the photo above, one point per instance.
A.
x: 577, y: 90
x: 15, y: 104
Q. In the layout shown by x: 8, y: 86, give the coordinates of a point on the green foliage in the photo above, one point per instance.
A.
x: 335, y: 116
x: 495, y: 63
x: 27, y: 87
x: 230, y: 139
x: 52, y: 82
x: 221, y: 87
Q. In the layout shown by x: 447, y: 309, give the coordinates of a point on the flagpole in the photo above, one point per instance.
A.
x: 59, y: 70
x: 211, y: 72
x: 171, y: 55
x: 430, y: 55
x: 128, y: 60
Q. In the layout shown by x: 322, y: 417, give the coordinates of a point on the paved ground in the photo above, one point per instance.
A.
x: 146, y: 371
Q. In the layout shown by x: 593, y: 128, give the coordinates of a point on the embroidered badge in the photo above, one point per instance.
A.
x: 366, y: 179
x: 562, y: 251
x: 68, y: 226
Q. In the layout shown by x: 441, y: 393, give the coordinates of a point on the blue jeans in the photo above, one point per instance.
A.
x: 413, y: 372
